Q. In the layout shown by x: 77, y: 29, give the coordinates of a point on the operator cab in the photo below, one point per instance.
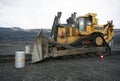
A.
x: 83, y: 22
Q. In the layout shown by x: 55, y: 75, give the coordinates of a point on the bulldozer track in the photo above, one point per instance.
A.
x: 91, y: 38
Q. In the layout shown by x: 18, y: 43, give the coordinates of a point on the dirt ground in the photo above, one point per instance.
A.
x: 70, y: 68
x: 67, y: 68
x: 9, y: 48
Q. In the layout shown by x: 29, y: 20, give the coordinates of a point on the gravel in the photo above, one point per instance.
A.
x: 67, y: 68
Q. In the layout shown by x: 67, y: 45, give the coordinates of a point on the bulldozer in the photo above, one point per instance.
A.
x: 80, y: 35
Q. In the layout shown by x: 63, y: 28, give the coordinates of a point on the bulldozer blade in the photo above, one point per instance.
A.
x: 40, y: 49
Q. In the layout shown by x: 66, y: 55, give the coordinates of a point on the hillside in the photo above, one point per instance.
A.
x: 18, y: 34
x: 117, y: 36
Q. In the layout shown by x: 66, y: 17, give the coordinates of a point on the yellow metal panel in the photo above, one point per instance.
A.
x: 88, y: 29
x: 63, y: 36
x: 61, y: 31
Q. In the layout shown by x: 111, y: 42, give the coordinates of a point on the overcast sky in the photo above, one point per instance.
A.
x: 40, y: 13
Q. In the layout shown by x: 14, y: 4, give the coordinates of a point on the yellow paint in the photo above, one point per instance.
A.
x: 68, y: 35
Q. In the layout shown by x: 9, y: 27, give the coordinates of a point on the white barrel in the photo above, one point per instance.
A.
x: 20, y: 59
x: 27, y: 49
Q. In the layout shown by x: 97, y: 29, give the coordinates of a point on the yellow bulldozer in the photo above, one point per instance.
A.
x: 81, y: 35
